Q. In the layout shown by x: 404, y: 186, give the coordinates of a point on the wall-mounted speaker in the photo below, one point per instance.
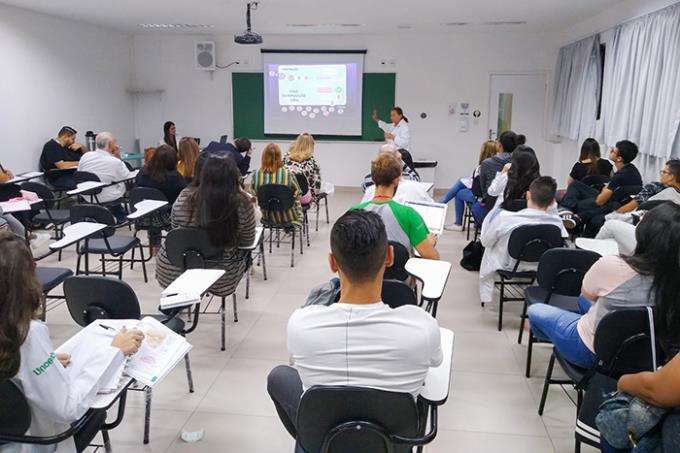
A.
x: 204, y: 52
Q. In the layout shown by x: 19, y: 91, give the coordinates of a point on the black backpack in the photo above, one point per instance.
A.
x: 472, y: 256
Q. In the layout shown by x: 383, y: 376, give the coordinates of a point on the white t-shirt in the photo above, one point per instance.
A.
x: 406, y: 191
x: 109, y: 169
x: 369, y: 345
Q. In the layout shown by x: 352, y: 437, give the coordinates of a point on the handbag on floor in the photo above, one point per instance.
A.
x: 472, y: 256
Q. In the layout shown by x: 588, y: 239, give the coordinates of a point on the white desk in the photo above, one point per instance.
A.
x: 433, y: 273
x: 77, y: 232
x: 106, y: 400
x: 145, y: 207
x: 86, y: 186
x: 194, y: 281
x: 258, y: 237
x: 604, y: 247
x: 130, y: 177
x: 9, y: 207
x: 427, y: 186
x: 438, y: 380
x: 18, y: 179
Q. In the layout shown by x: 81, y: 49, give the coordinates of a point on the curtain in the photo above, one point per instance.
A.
x: 576, y: 90
x: 641, y: 95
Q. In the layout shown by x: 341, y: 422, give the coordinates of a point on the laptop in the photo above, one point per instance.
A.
x: 434, y: 214
x: 223, y: 139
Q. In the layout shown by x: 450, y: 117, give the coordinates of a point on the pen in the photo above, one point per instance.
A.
x: 103, y: 326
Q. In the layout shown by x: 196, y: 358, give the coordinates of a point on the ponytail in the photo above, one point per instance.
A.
x: 400, y: 112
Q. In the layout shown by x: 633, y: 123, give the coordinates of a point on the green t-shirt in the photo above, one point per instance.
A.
x: 403, y: 223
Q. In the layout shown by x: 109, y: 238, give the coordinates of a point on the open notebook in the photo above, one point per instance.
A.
x: 434, y: 214
x: 160, y: 352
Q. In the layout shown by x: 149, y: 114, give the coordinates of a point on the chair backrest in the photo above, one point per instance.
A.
x: 595, y: 181
x: 94, y: 213
x: 396, y: 293
x: 622, y: 194
x: 89, y: 298
x: 528, y: 242
x: 355, y: 420
x: 625, y: 342
x: 145, y: 193
x: 85, y: 176
x: 561, y: 270
x: 15, y: 413
x: 190, y: 248
x: 302, y: 182
x: 398, y: 269
x: 275, y: 200
x: 43, y: 192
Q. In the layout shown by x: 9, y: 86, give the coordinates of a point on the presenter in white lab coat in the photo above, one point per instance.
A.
x: 56, y: 397
x: 397, y: 132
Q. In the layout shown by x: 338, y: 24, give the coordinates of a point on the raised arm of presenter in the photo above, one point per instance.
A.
x: 397, y: 132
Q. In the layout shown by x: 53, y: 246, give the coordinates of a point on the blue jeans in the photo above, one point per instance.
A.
x: 479, y: 211
x: 549, y: 323
x: 462, y: 194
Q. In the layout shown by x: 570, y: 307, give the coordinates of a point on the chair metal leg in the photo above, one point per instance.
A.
x: 132, y: 259
x: 223, y: 325
x: 190, y: 378
x: 325, y: 202
x: 141, y: 254
x: 317, y: 215
x: 292, y: 250
x: 302, y: 249
x: 264, y: 265
x: 120, y: 267
x: 500, y: 305
x: 233, y: 296
x: 271, y: 233
x: 78, y: 262
x: 107, y: 441
x: 249, y: 267
x: 307, y: 228
x: 522, y: 323
x: 147, y: 413
x: 530, y: 350
x: 546, y: 384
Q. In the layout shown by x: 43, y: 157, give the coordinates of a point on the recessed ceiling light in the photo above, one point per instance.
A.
x: 404, y: 27
x: 505, y: 22
x: 175, y: 26
x: 453, y: 24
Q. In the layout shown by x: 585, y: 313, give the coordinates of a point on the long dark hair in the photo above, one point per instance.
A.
x: 400, y: 112
x: 21, y: 294
x: 590, y: 149
x: 162, y: 161
x: 408, y: 160
x: 198, y: 168
x: 658, y: 254
x: 524, y: 170
x: 217, y: 200
x: 168, y: 139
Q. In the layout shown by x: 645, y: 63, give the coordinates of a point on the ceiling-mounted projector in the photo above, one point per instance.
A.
x: 249, y: 36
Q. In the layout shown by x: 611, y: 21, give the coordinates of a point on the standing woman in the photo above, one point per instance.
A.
x: 170, y: 135
x: 300, y: 159
x: 56, y: 397
x: 188, y: 154
x: 397, y: 133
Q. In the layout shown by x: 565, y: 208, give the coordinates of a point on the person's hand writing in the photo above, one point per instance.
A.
x: 128, y: 341
x: 64, y: 358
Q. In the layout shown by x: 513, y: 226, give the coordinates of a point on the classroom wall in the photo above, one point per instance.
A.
x: 58, y: 72
x: 566, y: 152
x: 432, y: 72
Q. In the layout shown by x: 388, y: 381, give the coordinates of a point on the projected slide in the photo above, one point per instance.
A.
x: 319, y: 94
x: 313, y: 85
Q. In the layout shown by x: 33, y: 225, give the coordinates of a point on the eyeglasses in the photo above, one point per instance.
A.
x: 665, y: 172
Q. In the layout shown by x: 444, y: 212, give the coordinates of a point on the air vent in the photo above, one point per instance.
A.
x: 325, y: 25
x: 301, y: 25
x: 454, y: 24
x: 505, y: 22
x: 404, y: 27
x: 175, y: 25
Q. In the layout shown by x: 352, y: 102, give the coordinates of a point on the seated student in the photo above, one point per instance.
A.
x: 62, y: 153
x: 513, y: 181
x: 359, y: 341
x: 589, y: 202
x: 8, y: 191
x: 505, y: 145
x: 407, y: 174
x: 648, y: 277
x: 499, y: 225
x: 667, y: 188
x: 240, y: 151
x: 403, y: 223
x: 161, y: 173
x: 300, y: 160
x: 188, y: 153
x: 219, y: 206
x: 27, y: 356
x: 104, y: 163
x: 589, y: 162
x: 462, y: 189
x: 272, y: 171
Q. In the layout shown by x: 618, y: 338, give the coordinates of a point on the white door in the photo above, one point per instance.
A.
x: 517, y: 103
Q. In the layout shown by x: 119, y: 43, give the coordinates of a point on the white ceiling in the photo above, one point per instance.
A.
x: 272, y: 16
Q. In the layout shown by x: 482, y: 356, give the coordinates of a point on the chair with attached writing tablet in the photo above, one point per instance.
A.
x: 342, y: 419
x: 190, y: 248
x: 90, y: 299
x: 304, y: 188
x: 398, y: 269
x: 50, y: 278
x: 158, y: 218
x: 276, y: 200
x: 86, y: 176
x: 46, y: 212
x: 105, y: 242
x: 15, y: 419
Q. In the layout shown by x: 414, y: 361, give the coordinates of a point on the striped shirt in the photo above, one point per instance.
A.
x: 284, y: 177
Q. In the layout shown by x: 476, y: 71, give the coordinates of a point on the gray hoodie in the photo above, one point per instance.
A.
x: 489, y: 168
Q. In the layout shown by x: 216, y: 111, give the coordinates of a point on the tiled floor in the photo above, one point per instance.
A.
x: 492, y: 407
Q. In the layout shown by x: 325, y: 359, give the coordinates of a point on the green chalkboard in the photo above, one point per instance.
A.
x: 248, y: 106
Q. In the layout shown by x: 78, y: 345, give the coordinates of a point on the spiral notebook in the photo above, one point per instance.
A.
x: 158, y: 355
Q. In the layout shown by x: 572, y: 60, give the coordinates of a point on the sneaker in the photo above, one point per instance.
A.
x: 569, y: 222
x: 454, y: 227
